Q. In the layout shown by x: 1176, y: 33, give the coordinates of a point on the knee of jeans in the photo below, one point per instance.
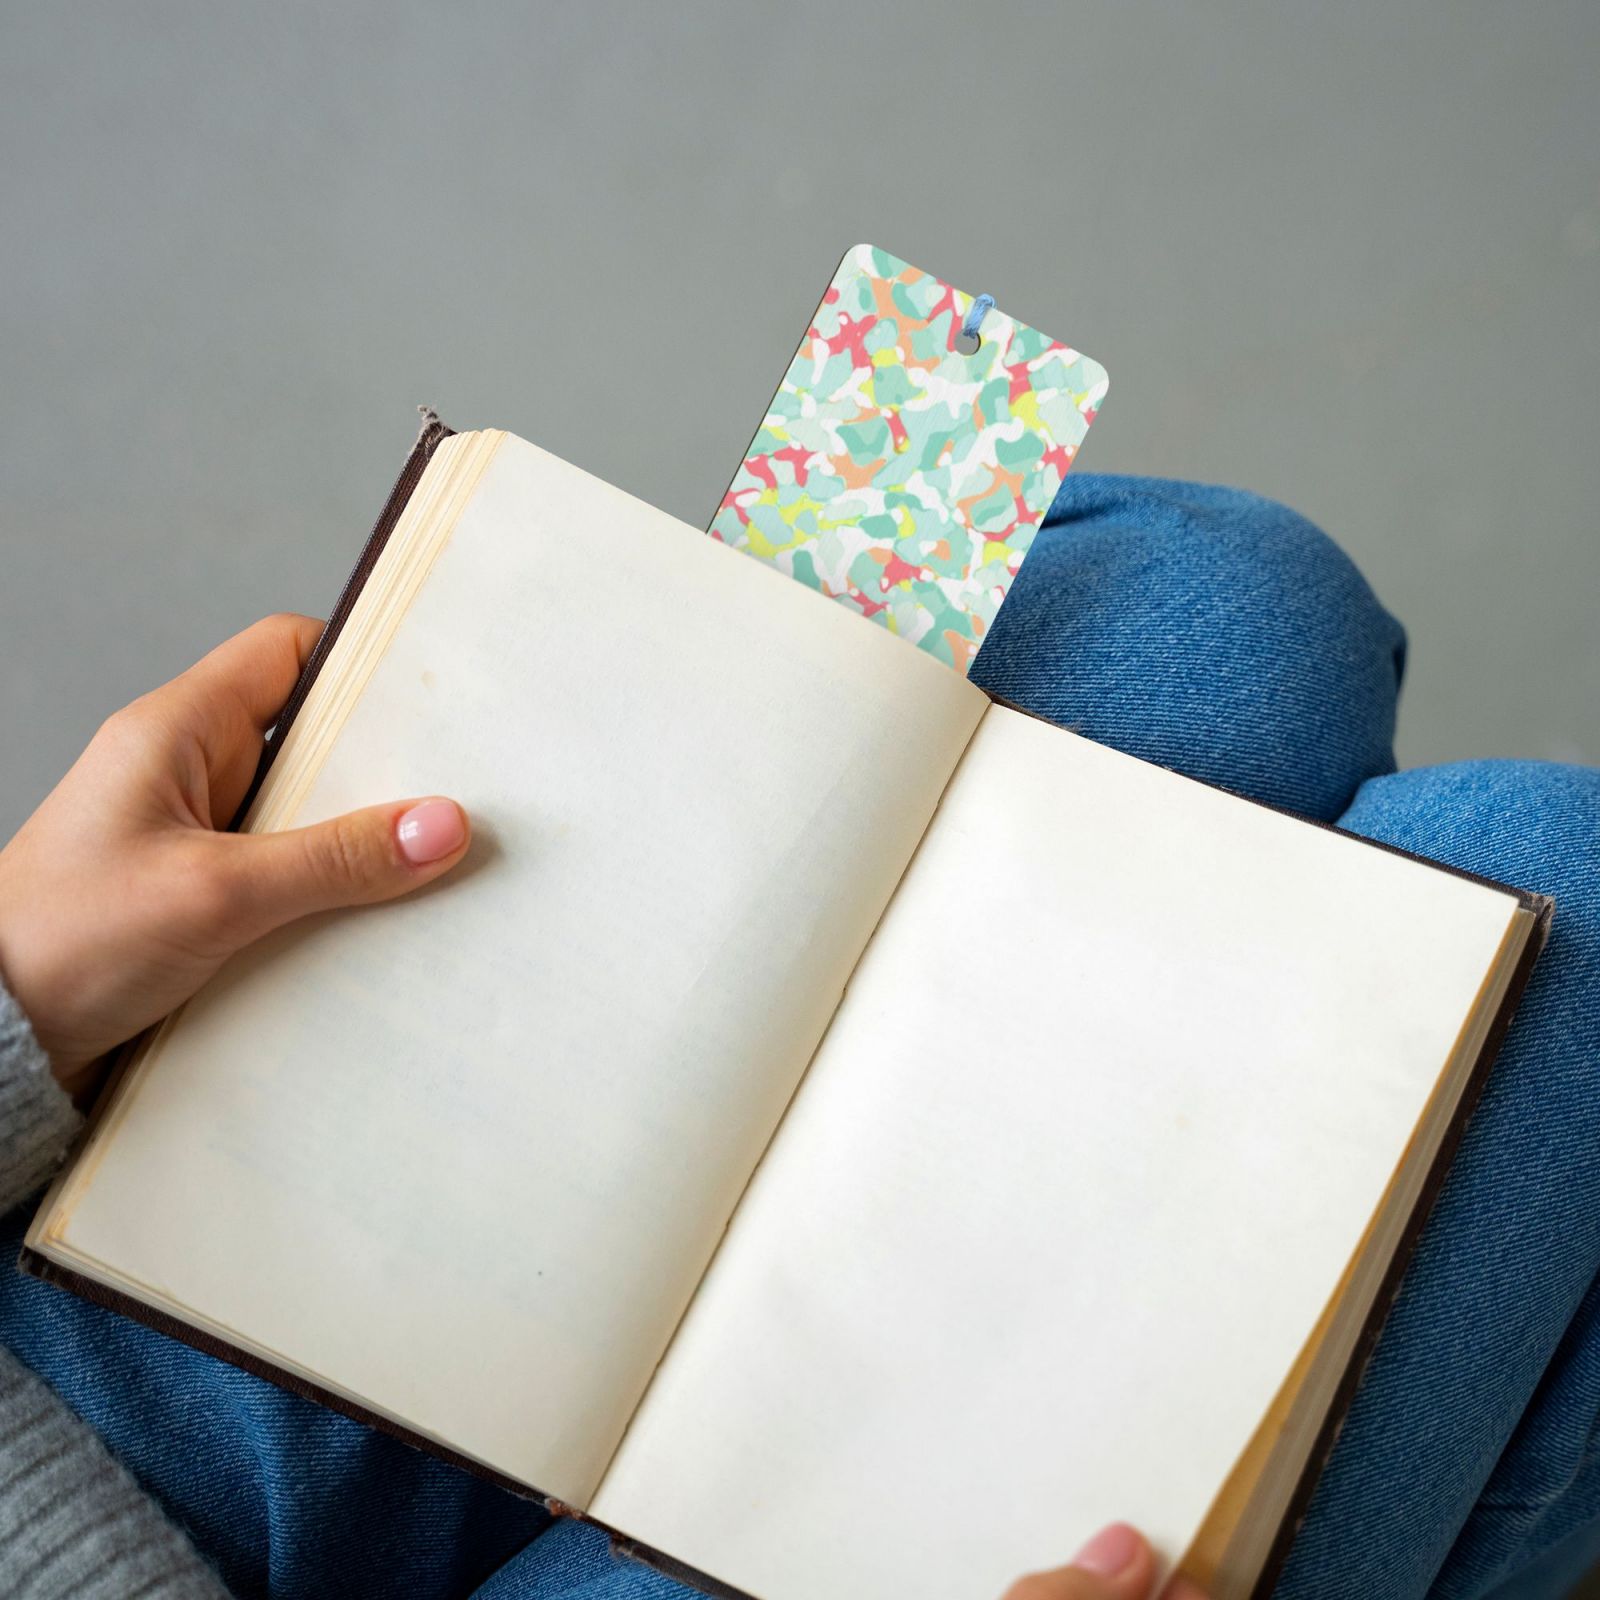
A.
x: 1532, y: 824
x: 1206, y: 629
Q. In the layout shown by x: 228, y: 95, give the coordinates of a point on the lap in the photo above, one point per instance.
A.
x: 1201, y: 628
x: 1221, y: 635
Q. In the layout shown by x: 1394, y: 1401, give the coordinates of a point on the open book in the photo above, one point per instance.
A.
x: 847, y: 1136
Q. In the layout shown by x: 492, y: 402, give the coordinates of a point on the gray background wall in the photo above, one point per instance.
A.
x: 1349, y: 256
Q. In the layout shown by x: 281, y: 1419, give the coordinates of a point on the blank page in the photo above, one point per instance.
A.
x: 1114, y: 1092
x: 464, y: 1158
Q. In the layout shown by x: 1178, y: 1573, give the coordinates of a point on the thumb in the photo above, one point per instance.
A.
x: 1117, y: 1564
x: 356, y: 859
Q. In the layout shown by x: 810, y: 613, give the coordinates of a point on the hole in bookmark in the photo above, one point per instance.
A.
x: 967, y: 341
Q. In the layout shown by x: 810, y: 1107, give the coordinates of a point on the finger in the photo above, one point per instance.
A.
x: 256, y: 668
x: 230, y: 697
x: 1117, y: 1564
x: 356, y: 859
x: 1182, y: 1588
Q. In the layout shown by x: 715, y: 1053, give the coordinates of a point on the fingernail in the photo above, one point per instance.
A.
x: 1111, y: 1551
x: 430, y: 830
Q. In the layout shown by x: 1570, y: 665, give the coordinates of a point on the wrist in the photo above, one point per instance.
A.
x: 27, y: 989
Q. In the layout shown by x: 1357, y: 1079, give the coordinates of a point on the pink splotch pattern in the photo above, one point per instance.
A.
x: 899, y: 475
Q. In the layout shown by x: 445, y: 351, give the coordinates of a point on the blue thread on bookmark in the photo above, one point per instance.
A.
x: 981, y: 307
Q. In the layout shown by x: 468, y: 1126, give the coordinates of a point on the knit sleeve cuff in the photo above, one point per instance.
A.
x: 37, y: 1117
x: 72, y: 1519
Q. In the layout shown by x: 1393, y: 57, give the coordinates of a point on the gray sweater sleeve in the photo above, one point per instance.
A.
x: 37, y: 1120
x: 72, y: 1520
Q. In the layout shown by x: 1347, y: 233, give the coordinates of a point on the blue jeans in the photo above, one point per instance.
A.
x: 1220, y: 634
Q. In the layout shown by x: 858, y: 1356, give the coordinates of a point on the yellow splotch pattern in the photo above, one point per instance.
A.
x: 900, y: 475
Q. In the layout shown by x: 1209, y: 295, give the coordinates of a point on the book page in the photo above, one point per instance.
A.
x: 464, y: 1157
x: 1114, y: 1092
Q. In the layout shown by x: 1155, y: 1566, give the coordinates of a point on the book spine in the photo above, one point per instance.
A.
x: 433, y: 434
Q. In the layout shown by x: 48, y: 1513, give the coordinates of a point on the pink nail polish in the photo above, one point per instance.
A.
x: 1111, y: 1551
x: 430, y: 830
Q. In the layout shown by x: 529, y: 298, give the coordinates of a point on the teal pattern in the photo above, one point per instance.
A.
x: 900, y: 476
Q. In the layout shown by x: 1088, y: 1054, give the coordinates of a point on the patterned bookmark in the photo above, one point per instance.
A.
x: 902, y: 468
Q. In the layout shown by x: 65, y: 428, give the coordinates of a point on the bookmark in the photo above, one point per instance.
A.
x: 910, y: 452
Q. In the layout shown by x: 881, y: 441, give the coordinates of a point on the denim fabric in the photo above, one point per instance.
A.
x: 1222, y: 635
x: 572, y: 1562
x: 1204, y: 629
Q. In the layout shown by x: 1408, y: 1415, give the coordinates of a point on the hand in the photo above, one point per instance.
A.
x: 118, y: 897
x: 1117, y: 1564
